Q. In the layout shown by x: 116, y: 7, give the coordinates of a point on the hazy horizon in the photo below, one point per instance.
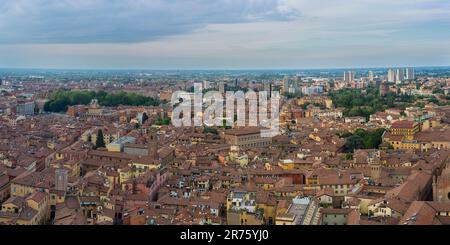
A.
x: 225, y: 69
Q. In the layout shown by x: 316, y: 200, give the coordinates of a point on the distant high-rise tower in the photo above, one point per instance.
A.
x: 410, y: 74
x: 288, y: 85
x: 285, y: 84
x: 298, y: 80
x: 61, y: 175
x: 400, y: 75
x: 268, y: 89
x: 371, y: 77
x: 348, y: 76
x: 236, y: 83
x: 391, y: 76
x: 222, y: 87
x: 206, y: 84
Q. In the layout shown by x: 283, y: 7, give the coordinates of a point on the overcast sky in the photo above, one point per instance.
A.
x: 230, y: 34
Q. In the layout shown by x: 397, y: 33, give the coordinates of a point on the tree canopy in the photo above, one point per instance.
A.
x: 356, y: 103
x: 210, y: 130
x: 363, y: 139
x: 62, y: 99
x: 100, y: 141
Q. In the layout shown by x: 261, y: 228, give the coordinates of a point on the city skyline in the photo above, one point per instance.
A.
x: 270, y: 115
x: 223, y: 34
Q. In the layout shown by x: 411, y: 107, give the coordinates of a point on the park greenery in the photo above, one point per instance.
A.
x: 62, y: 99
x: 362, y: 139
x: 305, y: 105
x: 356, y: 103
x: 163, y: 121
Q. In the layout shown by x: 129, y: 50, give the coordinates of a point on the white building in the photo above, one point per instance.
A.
x: 348, y: 76
x: 410, y: 74
x: 371, y: 76
x: 400, y: 75
x: 391, y: 76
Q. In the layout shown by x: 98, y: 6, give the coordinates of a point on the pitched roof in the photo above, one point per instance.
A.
x: 420, y: 213
x: 403, y: 124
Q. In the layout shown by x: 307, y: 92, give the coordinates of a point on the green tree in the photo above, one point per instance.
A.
x: 348, y: 156
x: 163, y: 121
x: 355, y: 103
x: 144, y: 117
x: 100, y: 141
x: 354, y: 142
x: 210, y: 130
x: 370, y: 139
x: 61, y: 99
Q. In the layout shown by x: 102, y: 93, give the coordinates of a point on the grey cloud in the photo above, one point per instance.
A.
x: 119, y: 21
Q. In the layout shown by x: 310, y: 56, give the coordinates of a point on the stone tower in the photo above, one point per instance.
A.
x: 61, y: 176
x: 375, y: 170
x: 153, y: 146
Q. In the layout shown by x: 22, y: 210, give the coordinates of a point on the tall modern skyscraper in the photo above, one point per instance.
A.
x: 222, y: 87
x: 410, y: 73
x: 400, y: 75
x: 371, y: 76
x: 348, y: 76
x: 268, y: 88
x: 286, y: 84
x: 206, y: 84
x: 391, y: 76
x: 298, y: 80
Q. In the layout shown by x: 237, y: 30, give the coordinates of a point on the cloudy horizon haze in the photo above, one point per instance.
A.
x: 224, y: 34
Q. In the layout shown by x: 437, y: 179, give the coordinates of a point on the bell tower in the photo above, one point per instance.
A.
x: 152, y: 145
x: 61, y: 176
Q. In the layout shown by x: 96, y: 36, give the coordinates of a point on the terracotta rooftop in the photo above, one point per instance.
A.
x: 403, y: 124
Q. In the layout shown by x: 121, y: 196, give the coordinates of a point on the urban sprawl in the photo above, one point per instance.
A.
x: 355, y: 147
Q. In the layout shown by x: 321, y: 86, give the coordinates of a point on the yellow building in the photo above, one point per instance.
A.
x: 405, y: 128
x: 402, y: 136
x: 140, y: 166
x: 287, y: 164
x: 243, y: 218
x: 328, y: 104
x: 31, y: 210
x: 21, y: 190
x: 269, y: 211
x: 39, y: 201
x: 315, y: 137
x: 313, y: 179
x: 109, y: 136
x: 430, y: 124
x: 57, y: 197
x: 74, y: 167
x: 125, y: 174
x: 235, y: 156
x: 114, y: 147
